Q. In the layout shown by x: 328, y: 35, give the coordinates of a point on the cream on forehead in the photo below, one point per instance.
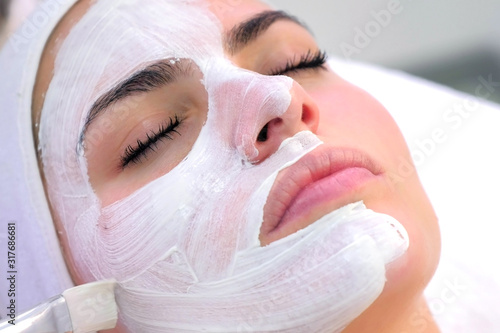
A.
x: 185, y: 247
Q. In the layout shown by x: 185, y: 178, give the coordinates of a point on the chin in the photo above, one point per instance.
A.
x: 410, y: 273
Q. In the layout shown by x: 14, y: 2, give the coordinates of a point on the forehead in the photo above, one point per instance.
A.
x: 79, y: 13
x: 228, y: 12
x: 232, y: 12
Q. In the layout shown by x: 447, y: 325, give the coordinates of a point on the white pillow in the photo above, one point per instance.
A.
x: 454, y: 139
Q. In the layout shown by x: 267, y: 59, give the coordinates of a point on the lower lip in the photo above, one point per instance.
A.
x: 323, y: 196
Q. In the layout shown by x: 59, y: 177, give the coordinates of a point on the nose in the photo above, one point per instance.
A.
x: 254, y: 113
x: 302, y: 114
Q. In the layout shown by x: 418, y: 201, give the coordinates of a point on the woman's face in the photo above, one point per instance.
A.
x: 221, y: 131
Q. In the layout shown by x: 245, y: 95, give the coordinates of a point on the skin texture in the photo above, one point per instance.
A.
x: 341, y: 114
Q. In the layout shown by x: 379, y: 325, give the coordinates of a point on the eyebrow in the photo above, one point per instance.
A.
x: 249, y: 30
x: 150, y: 78
x: 166, y: 71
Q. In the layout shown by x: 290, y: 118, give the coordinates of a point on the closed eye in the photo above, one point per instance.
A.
x: 308, y: 61
x: 143, y: 148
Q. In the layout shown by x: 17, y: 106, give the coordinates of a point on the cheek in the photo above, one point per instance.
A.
x: 350, y: 116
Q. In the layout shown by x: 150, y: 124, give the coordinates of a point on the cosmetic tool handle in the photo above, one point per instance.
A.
x: 52, y: 316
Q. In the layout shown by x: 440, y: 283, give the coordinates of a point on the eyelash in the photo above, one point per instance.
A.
x: 165, y: 131
x: 307, y: 61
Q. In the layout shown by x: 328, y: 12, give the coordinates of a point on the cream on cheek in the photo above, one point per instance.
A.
x: 185, y: 247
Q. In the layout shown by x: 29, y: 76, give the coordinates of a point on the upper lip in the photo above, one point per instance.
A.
x: 316, y: 165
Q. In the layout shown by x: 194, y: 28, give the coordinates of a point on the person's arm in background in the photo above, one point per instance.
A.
x: 12, y: 14
x: 4, y: 11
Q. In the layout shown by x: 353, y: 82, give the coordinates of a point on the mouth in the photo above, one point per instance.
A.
x: 325, y: 179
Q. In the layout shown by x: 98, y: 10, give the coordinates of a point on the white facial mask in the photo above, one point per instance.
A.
x: 185, y: 248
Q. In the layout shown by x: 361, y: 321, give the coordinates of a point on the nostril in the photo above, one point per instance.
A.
x: 310, y: 118
x: 262, y: 137
x: 306, y: 114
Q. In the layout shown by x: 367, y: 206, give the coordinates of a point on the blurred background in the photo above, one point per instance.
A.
x: 452, y: 42
x: 12, y: 13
